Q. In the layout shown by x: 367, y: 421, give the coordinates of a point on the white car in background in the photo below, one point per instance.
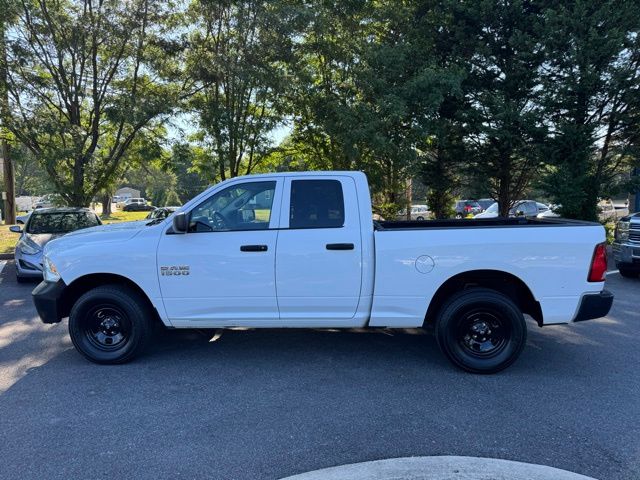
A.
x: 622, y: 210
x: 22, y: 219
x: 522, y: 208
x: 606, y: 211
x: 418, y: 212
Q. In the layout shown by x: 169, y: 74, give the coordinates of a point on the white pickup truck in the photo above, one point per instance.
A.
x: 301, y: 250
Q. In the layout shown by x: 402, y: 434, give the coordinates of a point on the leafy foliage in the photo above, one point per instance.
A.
x: 494, y: 98
x: 85, y: 78
x: 592, y: 101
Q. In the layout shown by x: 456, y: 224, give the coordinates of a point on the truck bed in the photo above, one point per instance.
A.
x: 414, y: 259
x: 479, y: 223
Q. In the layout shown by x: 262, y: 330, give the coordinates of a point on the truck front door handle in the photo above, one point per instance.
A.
x: 253, y: 248
x: 340, y: 246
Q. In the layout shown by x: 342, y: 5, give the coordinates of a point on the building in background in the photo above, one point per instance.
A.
x: 125, y: 193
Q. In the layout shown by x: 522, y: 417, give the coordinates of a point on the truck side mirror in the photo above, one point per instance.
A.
x: 180, y: 222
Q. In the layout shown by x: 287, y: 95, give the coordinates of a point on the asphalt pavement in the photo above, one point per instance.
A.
x: 266, y: 404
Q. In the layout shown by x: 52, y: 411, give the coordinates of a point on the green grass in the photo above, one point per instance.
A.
x: 119, y: 216
x: 7, y: 239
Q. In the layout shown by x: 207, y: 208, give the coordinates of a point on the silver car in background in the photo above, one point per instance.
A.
x: 42, y: 226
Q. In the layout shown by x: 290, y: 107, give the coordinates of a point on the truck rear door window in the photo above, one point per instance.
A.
x: 316, y: 204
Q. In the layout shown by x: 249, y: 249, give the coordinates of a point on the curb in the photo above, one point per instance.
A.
x: 6, y: 256
x: 440, y: 468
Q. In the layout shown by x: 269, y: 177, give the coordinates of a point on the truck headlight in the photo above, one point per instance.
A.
x: 49, y: 272
x: 622, y: 231
x: 28, y: 248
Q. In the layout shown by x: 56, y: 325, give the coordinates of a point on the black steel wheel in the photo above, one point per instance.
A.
x: 481, y: 330
x: 110, y: 324
x: 107, y: 327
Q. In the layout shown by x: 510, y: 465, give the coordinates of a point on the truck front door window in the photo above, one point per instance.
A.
x: 246, y: 206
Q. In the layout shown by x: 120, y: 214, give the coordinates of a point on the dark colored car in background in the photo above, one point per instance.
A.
x: 137, y: 205
x: 161, y: 213
x: 626, y: 246
x: 465, y: 208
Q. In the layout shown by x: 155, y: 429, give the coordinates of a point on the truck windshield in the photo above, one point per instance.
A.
x: 61, y: 222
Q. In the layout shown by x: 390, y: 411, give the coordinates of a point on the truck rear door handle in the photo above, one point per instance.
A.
x: 253, y: 248
x: 340, y: 246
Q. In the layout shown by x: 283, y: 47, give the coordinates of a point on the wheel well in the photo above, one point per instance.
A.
x: 82, y: 285
x: 503, y: 282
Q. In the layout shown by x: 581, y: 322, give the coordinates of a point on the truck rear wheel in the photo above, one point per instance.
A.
x: 110, y: 324
x: 481, y: 330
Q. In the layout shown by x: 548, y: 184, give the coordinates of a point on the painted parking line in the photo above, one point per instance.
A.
x: 2, y: 264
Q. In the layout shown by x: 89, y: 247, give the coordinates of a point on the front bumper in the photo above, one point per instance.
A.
x: 626, y: 253
x: 28, y: 266
x: 594, y: 305
x: 47, y: 297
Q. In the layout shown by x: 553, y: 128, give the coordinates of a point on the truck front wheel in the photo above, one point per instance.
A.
x: 110, y: 324
x: 481, y: 330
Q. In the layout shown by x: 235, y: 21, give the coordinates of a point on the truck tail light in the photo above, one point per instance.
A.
x: 598, y: 264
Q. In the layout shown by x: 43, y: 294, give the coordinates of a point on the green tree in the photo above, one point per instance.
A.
x: 367, y: 91
x: 591, y: 98
x: 504, y: 117
x: 8, y: 9
x: 85, y: 79
x: 191, y: 167
x: 234, y: 57
x: 30, y: 178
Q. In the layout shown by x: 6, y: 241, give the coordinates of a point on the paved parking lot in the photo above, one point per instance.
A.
x: 268, y: 404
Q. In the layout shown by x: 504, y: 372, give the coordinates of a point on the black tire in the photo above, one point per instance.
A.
x: 458, y: 216
x: 628, y: 272
x: 481, y: 330
x: 110, y: 324
x: 420, y: 219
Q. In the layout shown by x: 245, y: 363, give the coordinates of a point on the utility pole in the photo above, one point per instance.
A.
x: 9, y: 210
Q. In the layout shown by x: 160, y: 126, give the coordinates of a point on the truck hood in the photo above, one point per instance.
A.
x: 131, y: 227
x: 118, y: 232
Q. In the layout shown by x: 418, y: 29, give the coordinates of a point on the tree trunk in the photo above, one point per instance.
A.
x: 504, y: 190
x: 409, y: 197
x: 106, y: 205
x: 8, y: 170
x: 9, y: 184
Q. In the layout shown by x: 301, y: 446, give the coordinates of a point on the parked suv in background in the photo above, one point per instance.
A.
x: 626, y: 246
x: 464, y: 208
x: 136, y: 205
